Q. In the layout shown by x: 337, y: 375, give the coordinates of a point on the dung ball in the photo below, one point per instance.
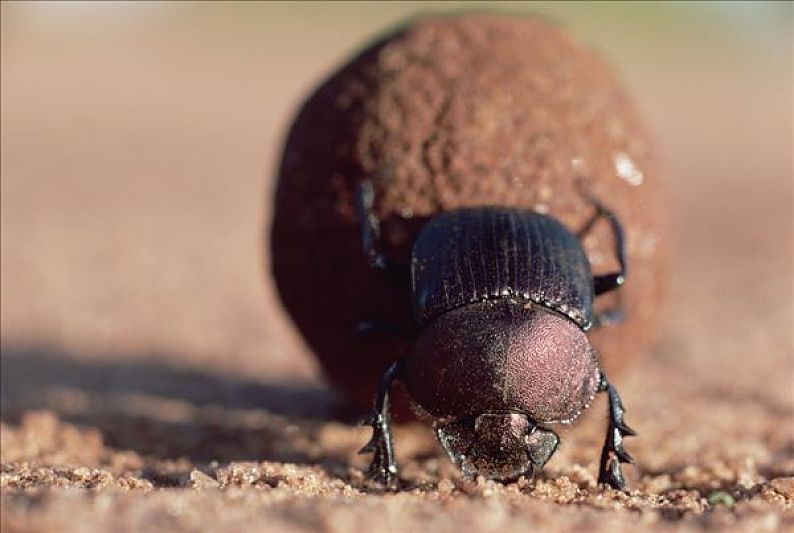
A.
x: 452, y: 112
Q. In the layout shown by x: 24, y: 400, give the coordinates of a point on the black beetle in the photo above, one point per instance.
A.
x: 503, y: 299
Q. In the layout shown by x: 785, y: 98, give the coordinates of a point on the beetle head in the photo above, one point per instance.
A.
x: 499, y: 446
x: 488, y: 373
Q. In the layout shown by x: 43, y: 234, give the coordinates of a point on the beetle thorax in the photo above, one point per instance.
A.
x: 502, y: 356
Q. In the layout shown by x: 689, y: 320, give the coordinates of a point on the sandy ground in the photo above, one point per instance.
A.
x: 151, y: 380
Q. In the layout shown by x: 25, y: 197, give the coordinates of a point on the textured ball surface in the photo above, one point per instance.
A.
x: 449, y: 112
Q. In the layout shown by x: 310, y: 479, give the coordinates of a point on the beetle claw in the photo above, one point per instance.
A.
x: 382, y: 469
x: 375, y: 442
x: 613, y: 476
x: 613, y: 453
x: 625, y: 430
x: 369, y: 447
x: 385, y: 475
x: 624, y: 456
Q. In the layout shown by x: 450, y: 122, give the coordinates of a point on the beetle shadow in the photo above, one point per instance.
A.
x: 145, y: 404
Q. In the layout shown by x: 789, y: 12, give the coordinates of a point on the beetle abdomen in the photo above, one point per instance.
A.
x: 471, y: 255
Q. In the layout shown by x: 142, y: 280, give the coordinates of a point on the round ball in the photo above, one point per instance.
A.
x: 450, y: 112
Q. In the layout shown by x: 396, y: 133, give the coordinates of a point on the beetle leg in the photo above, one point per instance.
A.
x: 613, y: 454
x: 369, y: 230
x: 607, y: 282
x: 383, y: 468
x: 369, y: 225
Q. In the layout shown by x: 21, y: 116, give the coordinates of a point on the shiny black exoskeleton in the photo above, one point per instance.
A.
x: 502, y: 299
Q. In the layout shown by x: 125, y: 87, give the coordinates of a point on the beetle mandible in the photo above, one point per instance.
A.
x: 503, y: 301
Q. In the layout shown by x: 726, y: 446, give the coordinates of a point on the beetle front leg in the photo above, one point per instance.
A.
x: 613, y: 454
x: 369, y: 225
x: 607, y: 282
x: 369, y: 230
x: 383, y: 467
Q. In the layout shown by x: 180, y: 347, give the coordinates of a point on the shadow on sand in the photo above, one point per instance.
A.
x: 158, y: 409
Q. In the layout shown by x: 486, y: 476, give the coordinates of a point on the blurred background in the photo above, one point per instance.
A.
x: 139, y: 148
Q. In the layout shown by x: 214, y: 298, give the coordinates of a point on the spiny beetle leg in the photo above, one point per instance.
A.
x: 613, y: 454
x: 383, y: 468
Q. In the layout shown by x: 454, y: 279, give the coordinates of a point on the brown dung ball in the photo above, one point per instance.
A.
x: 449, y: 112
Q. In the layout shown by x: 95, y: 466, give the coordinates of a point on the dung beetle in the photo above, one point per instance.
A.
x: 503, y: 301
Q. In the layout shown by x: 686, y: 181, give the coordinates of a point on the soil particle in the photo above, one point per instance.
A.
x: 176, y: 494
